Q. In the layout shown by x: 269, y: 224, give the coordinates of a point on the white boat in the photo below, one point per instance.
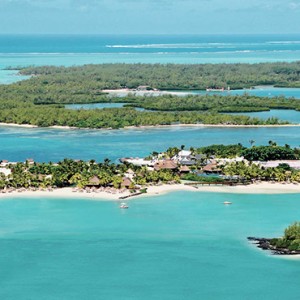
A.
x: 123, y: 205
x: 227, y: 202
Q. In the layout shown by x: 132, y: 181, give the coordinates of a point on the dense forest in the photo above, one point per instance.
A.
x: 115, y: 118
x: 40, y: 100
x: 215, y: 103
x: 171, y: 76
x: 272, y: 151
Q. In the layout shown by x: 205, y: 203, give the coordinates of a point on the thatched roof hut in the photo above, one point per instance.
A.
x: 184, y: 169
x: 126, y: 182
x: 211, y: 168
x: 94, y: 181
x: 165, y: 165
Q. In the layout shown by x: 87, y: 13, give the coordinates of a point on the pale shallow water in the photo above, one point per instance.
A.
x: 292, y: 116
x: 68, y: 50
x: 176, y: 246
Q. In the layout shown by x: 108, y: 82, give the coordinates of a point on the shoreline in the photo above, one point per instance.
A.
x: 152, y: 191
x: 149, y: 126
x: 18, y: 125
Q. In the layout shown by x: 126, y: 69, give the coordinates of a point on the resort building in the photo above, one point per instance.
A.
x: 167, y: 164
x: 212, y: 168
x: 94, y: 181
x: 126, y: 183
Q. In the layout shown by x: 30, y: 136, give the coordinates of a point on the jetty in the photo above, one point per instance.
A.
x: 131, y: 195
x: 216, y: 183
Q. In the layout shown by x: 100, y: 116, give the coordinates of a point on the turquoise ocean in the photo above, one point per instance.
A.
x: 175, y: 246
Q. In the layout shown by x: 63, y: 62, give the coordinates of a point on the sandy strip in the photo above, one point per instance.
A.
x: 290, y: 257
x: 260, y: 188
x: 18, y: 125
x: 210, y: 125
x: 66, y: 193
x: 143, y: 93
x: 150, y: 126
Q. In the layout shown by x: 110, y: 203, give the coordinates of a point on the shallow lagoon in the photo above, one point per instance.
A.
x: 291, y: 116
x: 175, y: 246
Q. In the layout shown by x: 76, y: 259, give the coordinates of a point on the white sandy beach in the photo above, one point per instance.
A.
x: 150, y: 126
x: 260, y: 188
x: 18, y: 125
x: 125, y: 92
x: 66, y: 193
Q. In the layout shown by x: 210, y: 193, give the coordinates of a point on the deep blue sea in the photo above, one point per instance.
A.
x: 174, y: 246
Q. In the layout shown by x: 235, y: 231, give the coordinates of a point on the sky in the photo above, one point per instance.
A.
x: 149, y: 16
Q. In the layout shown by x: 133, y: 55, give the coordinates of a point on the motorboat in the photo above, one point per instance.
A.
x: 123, y: 205
x: 227, y: 202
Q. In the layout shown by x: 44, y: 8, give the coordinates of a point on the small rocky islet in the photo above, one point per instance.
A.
x: 288, y: 244
x: 265, y: 244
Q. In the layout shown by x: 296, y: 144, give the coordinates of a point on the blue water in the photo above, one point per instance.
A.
x: 260, y: 91
x: 17, y: 144
x: 95, y: 105
x: 67, y: 50
x: 176, y: 246
x: 291, y: 116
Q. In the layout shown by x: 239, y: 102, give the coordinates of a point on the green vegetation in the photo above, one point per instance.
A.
x: 265, y: 153
x: 68, y: 173
x: 222, y: 150
x: 93, y: 78
x: 213, y: 103
x: 79, y: 173
x: 40, y: 100
x: 246, y: 169
x: 204, y: 179
x: 117, y: 117
x: 291, y: 238
x: 253, y: 153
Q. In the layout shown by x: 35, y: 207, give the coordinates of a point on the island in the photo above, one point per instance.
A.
x: 42, y: 99
x: 289, y: 244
